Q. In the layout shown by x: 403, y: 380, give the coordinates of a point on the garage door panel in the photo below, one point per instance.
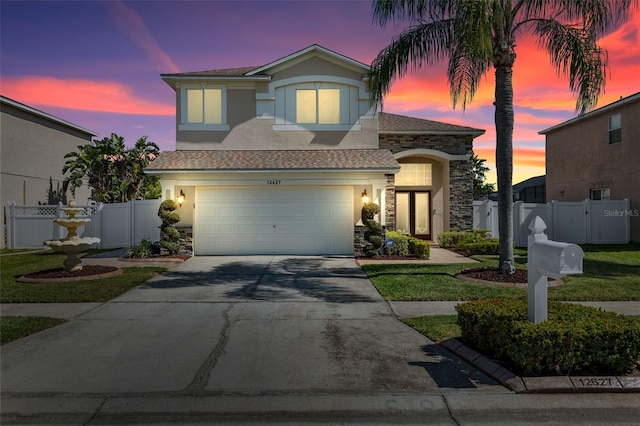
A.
x: 283, y: 220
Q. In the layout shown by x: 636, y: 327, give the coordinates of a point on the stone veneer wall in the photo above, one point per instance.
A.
x: 460, y: 173
x: 461, y: 195
x: 390, y: 202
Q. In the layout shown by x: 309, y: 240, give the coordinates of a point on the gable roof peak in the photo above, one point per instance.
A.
x: 314, y: 48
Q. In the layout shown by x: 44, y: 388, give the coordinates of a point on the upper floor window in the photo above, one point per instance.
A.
x: 414, y: 174
x: 615, y: 128
x: 203, y: 107
x: 318, y: 106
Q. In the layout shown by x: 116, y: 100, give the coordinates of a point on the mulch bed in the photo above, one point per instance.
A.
x: 494, y: 275
x: 389, y: 257
x: 179, y: 256
x: 87, y: 270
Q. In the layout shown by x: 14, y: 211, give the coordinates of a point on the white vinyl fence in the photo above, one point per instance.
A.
x: 117, y: 225
x: 584, y: 222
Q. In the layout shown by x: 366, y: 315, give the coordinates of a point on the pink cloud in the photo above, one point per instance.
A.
x: 75, y: 94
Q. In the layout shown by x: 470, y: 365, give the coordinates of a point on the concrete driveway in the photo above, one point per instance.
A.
x: 255, y: 325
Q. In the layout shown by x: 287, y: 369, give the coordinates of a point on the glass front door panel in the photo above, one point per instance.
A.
x: 403, y: 221
x: 413, y: 213
x: 422, y: 212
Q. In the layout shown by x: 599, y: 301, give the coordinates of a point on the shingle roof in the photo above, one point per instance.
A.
x: 36, y: 112
x: 391, y: 123
x: 227, y: 72
x: 254, y: 160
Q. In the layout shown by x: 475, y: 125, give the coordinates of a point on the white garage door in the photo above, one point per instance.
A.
x: 268, y: 220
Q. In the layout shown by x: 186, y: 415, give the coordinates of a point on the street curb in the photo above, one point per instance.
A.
x: 548, y: 384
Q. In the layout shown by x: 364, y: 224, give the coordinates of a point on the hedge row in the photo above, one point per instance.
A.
x: 575, y: 339
x: 471, y: 243
x: 404, y: 245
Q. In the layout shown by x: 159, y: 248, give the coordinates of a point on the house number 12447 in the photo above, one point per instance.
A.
x: 273, y: 182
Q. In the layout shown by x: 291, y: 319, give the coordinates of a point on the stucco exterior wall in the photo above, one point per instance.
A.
x: 579, y: 158
x: 316, y: 66
x: 32, y: 151
x: 258, y: 133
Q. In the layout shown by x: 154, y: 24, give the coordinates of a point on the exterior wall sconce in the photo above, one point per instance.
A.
x: 181, y: 198
x: 365, y: 197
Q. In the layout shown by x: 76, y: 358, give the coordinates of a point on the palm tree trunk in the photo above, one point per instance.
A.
x: 504, y: 161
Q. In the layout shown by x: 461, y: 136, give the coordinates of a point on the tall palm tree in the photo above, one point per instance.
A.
x: 476, y: 35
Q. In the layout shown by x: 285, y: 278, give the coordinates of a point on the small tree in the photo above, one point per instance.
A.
x: 480, y: 187
x: 114, y: 173
x: 169, y: 235
x: 373, y: 234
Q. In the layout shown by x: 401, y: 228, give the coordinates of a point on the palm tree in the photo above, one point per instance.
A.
x: 477, y: 34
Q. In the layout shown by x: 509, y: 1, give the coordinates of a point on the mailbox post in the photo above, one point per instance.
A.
x: 547, y: 259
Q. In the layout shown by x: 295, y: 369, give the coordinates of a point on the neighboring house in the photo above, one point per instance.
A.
x: 531, y: 190
x: 597, y: 156
x: 277, y: 159
x: 34, y: 144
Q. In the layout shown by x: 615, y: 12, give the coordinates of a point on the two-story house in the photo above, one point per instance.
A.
x: 597, y: 156
x: 279, y: 158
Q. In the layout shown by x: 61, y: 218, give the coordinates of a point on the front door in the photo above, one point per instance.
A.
x: 413, y: 213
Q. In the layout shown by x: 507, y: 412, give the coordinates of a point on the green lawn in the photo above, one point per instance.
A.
x: 612, y: 272
x: 13, y: 328
x: 14, y: 265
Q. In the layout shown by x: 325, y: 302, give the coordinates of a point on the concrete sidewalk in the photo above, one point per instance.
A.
x: 400, y: 309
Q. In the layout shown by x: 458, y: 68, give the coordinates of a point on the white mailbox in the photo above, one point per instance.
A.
x: 547, y: 259
x: 555, y: 259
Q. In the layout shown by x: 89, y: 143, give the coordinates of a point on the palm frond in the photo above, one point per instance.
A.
x: 575, y: 54
x: 421, y: 45
x: 412, y: 10
x: 596, y: 16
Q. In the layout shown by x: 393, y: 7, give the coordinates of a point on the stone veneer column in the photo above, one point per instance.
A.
x: 461, y: 196
x: 390, y: 203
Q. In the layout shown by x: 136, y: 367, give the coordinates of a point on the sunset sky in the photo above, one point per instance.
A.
x: 97, y: 64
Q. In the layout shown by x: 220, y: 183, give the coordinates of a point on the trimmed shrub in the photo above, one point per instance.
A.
x: 450, y: 239
x: 419, y: 248
x: 482, y: 247
x: 469, y: 243
x: 373, y: 234
x: 574, y: 340
x: 169, y: 235
x: 400, y: 244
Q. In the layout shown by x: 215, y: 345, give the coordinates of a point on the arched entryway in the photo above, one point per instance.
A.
x: 422, y: 193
